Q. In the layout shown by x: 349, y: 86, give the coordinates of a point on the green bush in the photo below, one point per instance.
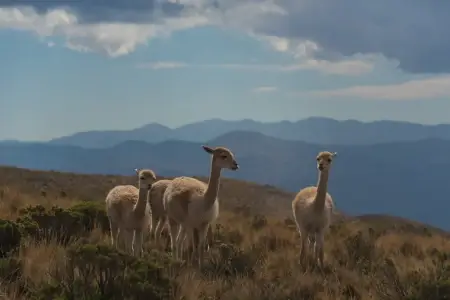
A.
x: 9, y: 237
x: 10, y: 269
x: 93, y: 215
x: 63, y: 224
x: 101, y: 272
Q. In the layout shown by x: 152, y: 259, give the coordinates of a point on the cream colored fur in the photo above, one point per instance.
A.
x: 312, y: 209
x: 159, y: 214
x: 128, y: 212
x: 193, y: 205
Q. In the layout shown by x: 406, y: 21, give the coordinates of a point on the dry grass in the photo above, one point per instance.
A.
x: 254, y: 257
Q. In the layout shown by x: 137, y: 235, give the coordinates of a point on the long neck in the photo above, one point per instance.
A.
x: 139, y: 208
x: 213, y: 186
x: 321, y: 194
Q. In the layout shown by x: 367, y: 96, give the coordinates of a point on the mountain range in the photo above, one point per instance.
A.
x: 313, y: 130
x: 404, y: 178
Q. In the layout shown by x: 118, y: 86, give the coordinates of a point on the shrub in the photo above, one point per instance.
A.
x: 93, y: 215
x: 9, y: 237
x: 63, y: 224
x: 102, y: 272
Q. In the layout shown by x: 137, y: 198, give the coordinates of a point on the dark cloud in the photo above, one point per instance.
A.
x: 95, y: 11
x: 414, y: 32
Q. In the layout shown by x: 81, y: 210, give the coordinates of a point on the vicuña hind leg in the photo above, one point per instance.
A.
x: 159, y: 228
x: 174, y: 228
x: 114, y: 234
x: 154, y: 226
x: 181, y: 238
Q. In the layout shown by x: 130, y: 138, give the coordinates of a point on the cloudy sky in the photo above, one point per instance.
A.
x: 76, y: 65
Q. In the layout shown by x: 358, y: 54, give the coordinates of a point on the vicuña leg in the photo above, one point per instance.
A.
x: 114, y: 233
x: 319, y: 251
x: 305, y: 247
x: 181, y: 237
x: 154, y: 226
x: 159, y: 228
x: 137, y: 242
x: 199, y: 236
x: 174, y: 228
x: 128, y: 240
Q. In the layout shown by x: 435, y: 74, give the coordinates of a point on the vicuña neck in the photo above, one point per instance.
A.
x: 139, y: 209
x: 212, y: 190
x: 321, y: 194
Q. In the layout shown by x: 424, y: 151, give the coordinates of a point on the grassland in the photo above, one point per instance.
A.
x: 255, y: 254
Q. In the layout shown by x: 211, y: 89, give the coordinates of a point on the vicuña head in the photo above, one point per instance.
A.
x: 222, y: 158
x: 324, y: 160
x: 146, y: 178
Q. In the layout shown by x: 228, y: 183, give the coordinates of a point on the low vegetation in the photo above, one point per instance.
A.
x: 54, y: 244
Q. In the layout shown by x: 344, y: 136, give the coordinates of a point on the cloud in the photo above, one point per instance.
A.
x: 112, y: 11
x: 423, y: 89
x: 347, y: 67
x: 320, y: 34
x: 163, y: 65
x: 265, y: 89
x: 112, y: 39
x: 411, y: 32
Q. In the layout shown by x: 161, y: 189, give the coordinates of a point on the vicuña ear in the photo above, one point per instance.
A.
x: 136, y: 170
x: 334, y: 154
x: 208, y: 149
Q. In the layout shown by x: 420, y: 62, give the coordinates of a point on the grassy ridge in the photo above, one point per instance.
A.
x: 255, y: 254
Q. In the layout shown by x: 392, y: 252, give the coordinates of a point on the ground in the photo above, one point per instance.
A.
x: 255, y: 254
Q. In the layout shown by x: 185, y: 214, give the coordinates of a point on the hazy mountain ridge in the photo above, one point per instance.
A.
x: 312, y: 130
x: 397, y: 178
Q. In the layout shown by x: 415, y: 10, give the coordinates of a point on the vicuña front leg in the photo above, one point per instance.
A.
x: 137, y: 242
x: 319, y: 251
x: 304, y: 249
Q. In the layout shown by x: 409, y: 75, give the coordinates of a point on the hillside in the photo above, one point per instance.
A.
x: 254, y: 255
x: 392, y: 178
x: 312, y: 130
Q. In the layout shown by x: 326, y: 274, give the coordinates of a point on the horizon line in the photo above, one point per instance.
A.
x: 226, y: 120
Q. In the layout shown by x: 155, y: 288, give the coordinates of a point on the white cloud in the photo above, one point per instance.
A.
x: 120, y: 38
x: 265, y: 89
x: 113, y: 39
x: 162, y: 65
x: 347, y: 67
x: 421, y: 89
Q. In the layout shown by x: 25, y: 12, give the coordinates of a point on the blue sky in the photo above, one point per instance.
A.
x: 80, y: 66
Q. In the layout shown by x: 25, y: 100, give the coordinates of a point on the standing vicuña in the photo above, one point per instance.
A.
x: 159, y: 213
x: 313, y: 208
x: 128, y: 212
x: 192, y: 205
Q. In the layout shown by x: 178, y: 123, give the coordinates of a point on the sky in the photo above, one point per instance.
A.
x: 78, y: 65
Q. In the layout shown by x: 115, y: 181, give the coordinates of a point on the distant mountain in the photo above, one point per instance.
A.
x: 408, y: 179
x: 312, y: 130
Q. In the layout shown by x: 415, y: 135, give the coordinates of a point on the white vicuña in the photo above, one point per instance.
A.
x: 128, y: 212
x: 193, y: 205
x: 313, y: 208
x: 159, y: 213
